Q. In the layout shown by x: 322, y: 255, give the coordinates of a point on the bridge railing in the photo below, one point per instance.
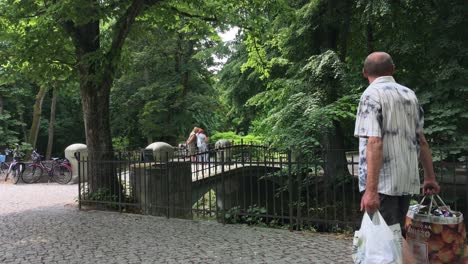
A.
x: 251, y: 184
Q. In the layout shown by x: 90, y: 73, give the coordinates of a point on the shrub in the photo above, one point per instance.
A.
x: 232, y: 136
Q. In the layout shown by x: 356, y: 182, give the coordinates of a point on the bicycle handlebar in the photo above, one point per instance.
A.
x: 17, y: 154
x: 36, y: 156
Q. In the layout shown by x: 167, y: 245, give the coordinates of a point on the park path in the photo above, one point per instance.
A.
x: 40, y: 223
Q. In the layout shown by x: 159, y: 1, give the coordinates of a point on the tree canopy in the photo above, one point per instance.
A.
x: 136, y: 71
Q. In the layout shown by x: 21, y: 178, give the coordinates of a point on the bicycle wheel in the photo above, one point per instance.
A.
x: 32, y: 174
x: 16, y: 173
x: 62, y: 174
x: 3, y: 169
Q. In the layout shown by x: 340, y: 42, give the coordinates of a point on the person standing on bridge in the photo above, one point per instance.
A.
x: 192, y: 144
x: 389, y: 124
x: 202, y: 144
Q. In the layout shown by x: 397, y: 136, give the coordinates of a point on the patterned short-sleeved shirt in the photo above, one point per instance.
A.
x: 390, y: 111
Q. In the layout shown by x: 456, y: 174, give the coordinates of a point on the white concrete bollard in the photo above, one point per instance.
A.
x: 161, y: 150
x: 70, y: 155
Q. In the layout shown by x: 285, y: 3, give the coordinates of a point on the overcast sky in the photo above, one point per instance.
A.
x: 229, y: 35
x: 226, y: 37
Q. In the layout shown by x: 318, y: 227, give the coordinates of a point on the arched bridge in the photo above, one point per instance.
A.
x: 177, y: 188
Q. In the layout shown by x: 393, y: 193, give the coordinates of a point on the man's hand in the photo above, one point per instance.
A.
x: 430, y: 187
x: 370, y: 202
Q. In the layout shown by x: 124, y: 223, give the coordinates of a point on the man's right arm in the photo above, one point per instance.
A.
x: 430, y: 185
x: 370, y: 201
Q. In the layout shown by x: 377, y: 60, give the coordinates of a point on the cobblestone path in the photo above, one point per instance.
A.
x: 40, y: 223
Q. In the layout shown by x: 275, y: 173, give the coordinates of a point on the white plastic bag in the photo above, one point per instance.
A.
x: 376, y: 242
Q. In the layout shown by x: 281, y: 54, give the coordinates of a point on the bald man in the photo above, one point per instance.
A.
x: 389, y: 124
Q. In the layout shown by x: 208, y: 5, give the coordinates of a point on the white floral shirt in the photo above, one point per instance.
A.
x: 391, y: 111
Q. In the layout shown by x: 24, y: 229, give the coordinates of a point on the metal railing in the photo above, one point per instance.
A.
x: 247, y: 183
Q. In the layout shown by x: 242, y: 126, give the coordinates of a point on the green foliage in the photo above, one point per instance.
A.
x: 293, y: 75
x: 7, y: 129
x: 237, y: 139
x: 100, y: 195
x: 300, y: 88
x: 237, y: 86
x: 120, y: 143
x: 207, y: 202
x: 25, y: 147
x: 310, y: 104
x: 168, y: 80
x: 254, y: 215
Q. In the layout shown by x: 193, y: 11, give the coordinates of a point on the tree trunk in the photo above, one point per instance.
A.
x: 335, y: 155
x: 50, y: 142
x: 34, y: 132
x: 23, y: 124
x: 333, y: 140
x: 96, y: 69
x: 95, y: 104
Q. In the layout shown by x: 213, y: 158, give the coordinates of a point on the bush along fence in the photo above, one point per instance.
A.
x: 247, y: 183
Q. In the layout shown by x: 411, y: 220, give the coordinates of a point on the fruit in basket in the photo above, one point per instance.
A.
x: 448, y: 235
x: 434, y: 258
x: 436, y: 261
x: 437, y: 228
x: 457, y: 248
x: 446, y: 255
x: 436, y: 243
x: 461, y: 229
x: 464, y: 260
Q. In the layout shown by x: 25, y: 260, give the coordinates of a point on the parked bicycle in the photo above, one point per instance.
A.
x: 59, y: 170
x: 15, y: 168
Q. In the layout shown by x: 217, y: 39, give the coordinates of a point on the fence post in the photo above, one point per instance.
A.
x: 290, y: 190
x: 242, y: 152
x: 167, y: 184
x: 77, y: 156
x: 223, y: 190
x: 119, y: 184
x: 299, y: 190
x: 466, y: 190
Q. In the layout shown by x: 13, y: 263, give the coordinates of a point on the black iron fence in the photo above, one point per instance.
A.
x: 252, y: 184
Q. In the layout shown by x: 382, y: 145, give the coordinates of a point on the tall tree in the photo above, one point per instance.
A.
x: 300, y: 52
x: 98, y: 30
x: 51, y: 131
x: 37, y: 111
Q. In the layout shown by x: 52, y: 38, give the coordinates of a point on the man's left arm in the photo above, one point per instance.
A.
x: 430, y: 185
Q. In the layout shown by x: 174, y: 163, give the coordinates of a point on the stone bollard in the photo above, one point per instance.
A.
x: 70, y: 155
x: 161, y: 151
x: 223, y: 146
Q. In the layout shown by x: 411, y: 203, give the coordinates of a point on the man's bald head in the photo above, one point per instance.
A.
x: 378, y: 64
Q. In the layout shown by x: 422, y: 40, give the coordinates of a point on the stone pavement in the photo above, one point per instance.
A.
x: 40, y: 223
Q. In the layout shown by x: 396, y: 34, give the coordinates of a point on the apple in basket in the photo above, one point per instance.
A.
x: 461, y: 229
x: 464, y: 260
x: 457, y: 248
x: 448, y: 235
x: 446, y: 255
x: 433, y: 258
x: 436, y: 243
x: 437, y: 228
x: 436, y: 261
